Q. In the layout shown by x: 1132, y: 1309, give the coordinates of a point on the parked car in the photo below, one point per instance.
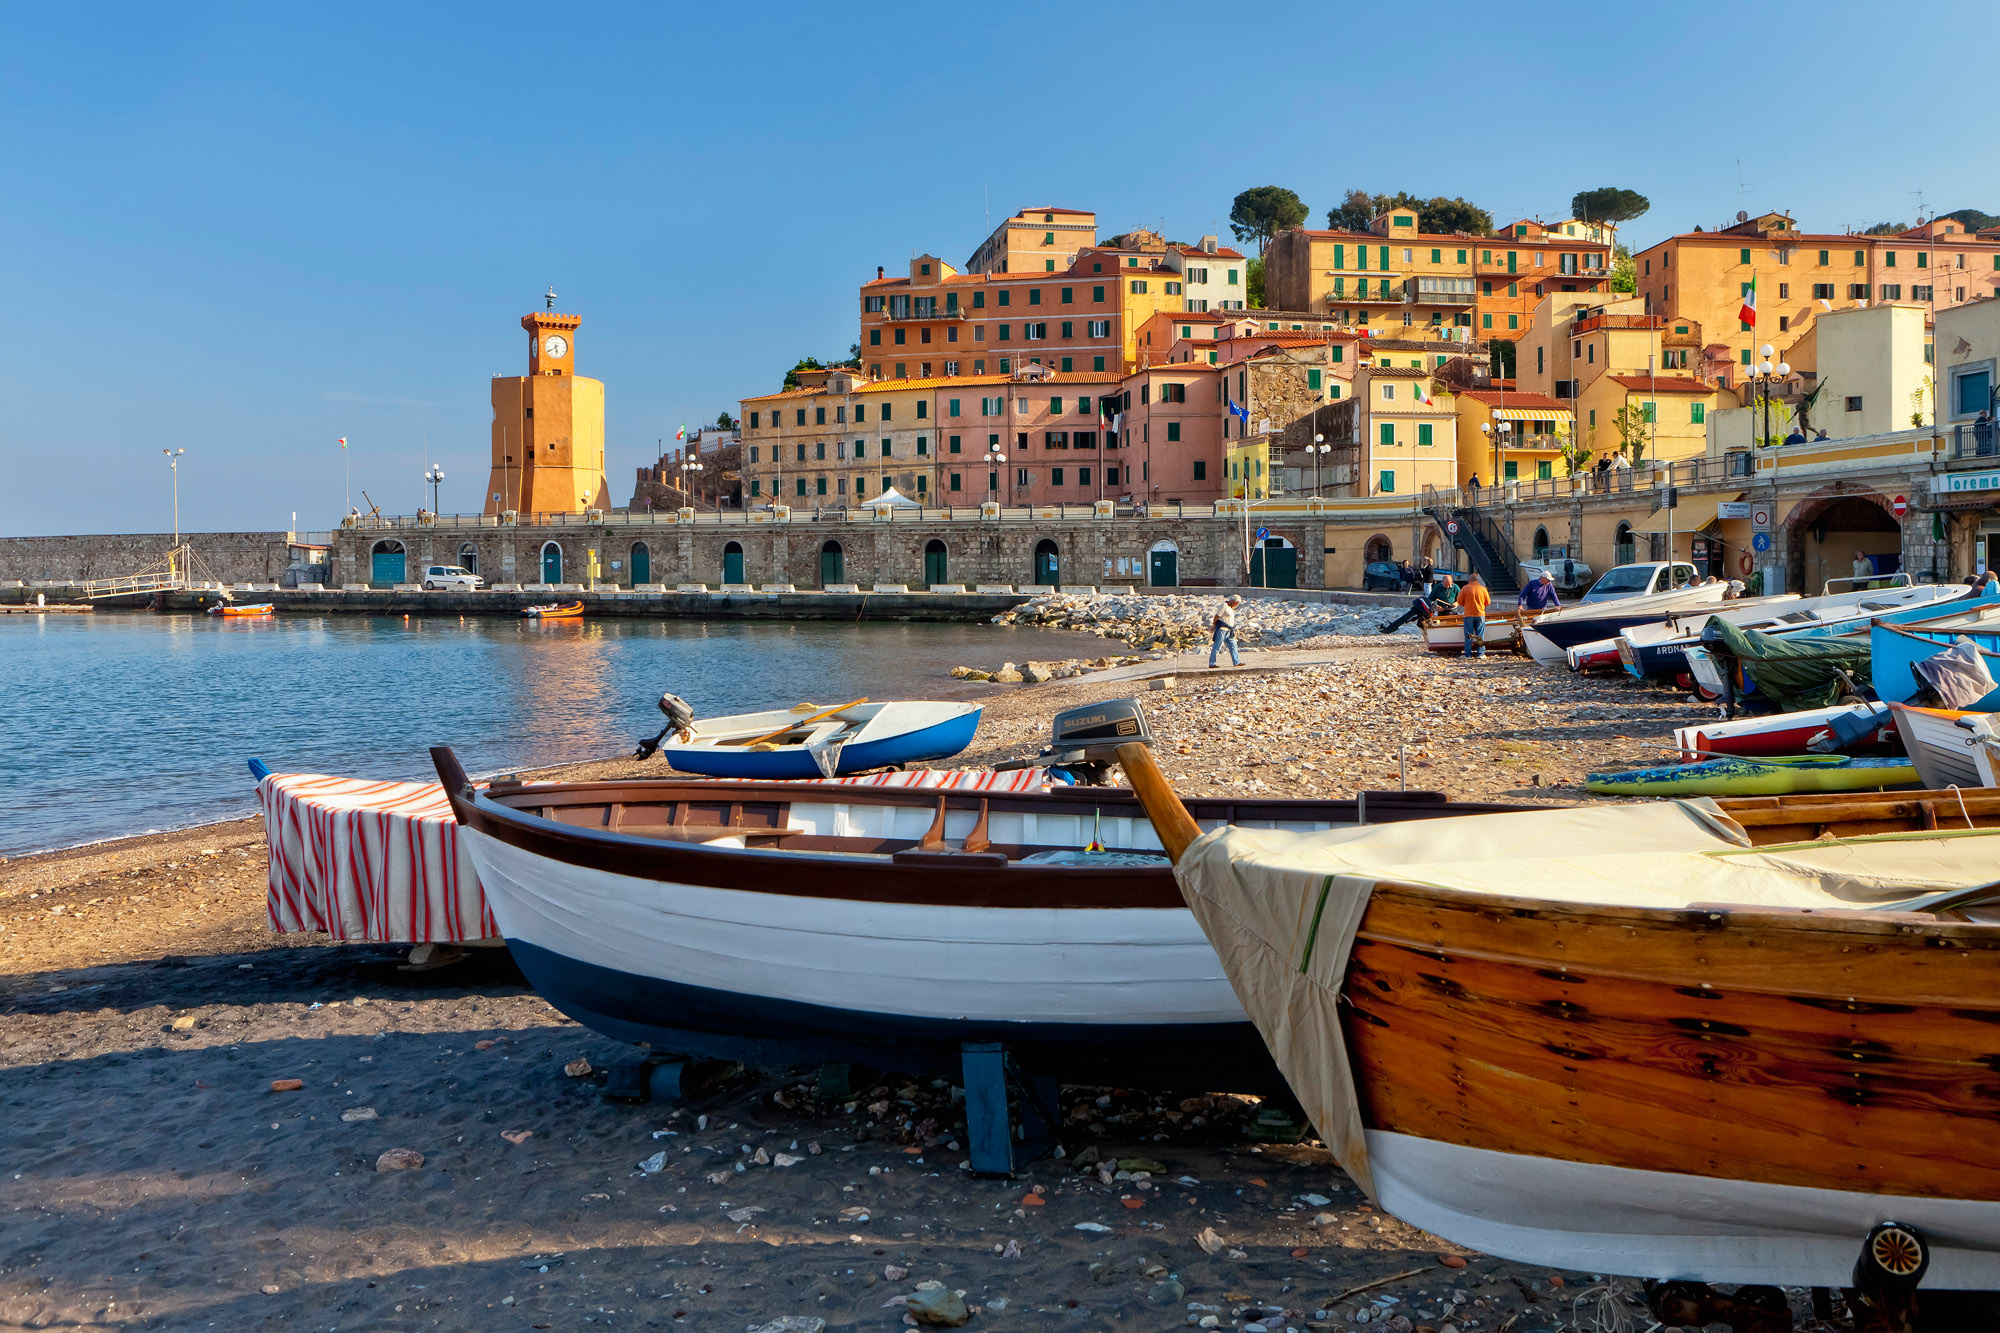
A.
x: 1382, y: 576
x: 1638, y: 580
x: 1568, y: 573
x: 452, y: 578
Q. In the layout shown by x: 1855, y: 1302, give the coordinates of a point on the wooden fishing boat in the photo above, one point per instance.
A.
x: 1747, y: 1041
x: 1895, y: 650
x: 1548, y: 638
x: 785, y: 924
x: 1770, y: 775
x: 1845, y: 728
x: 553, y: 611
x: 809, y: 742
x: 1659, y: 650
x: 1446, y: 634
x: 1600, y: 655
x: 1940, y: 748
x: 225, y: 609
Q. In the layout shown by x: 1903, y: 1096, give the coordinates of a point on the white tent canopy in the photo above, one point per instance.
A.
x: 894, y: 497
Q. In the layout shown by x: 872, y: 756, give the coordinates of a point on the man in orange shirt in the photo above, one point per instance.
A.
x: 1473, y: 600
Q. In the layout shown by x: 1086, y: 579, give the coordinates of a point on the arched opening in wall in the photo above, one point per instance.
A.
x: 1274, y: 563
x: 388, y: 564
x: 642, y: 563
x: 1163, y: 565
x: 552, y: 562
x: 1622, y: 546
x: 1432, y: 542
x: 1541, y: 546
x: 937, y: 562
x: 468, y: 558
x: 732, y: 563
x: 1048, y: 563
x: 1377, y: 548
x: 832, y: 564
x: 1842, y: 537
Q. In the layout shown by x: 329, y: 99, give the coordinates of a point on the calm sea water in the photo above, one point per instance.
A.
x: 114, y: 724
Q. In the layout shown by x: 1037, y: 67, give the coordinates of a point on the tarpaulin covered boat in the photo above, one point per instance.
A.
x: 1736, y: 1041
x: 1659, y: 651
x: 1785, y: 671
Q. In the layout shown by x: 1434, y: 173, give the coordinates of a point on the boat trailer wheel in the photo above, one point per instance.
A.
x: 1893, y: 1258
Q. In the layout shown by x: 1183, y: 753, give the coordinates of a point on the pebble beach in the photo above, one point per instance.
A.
x: 209, y: 1126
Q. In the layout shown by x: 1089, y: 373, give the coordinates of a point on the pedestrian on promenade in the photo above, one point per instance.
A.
x: 1434, y: 601
x: 1473, y: 600
x: 1864, y: 568
x: 1424, y: 572
x: 1409, y: 573
x: 1223, y: 630
x: 1539, y: 595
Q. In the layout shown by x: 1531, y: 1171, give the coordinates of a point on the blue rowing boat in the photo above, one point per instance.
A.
x: 1895, y: 650
x: 804, y: 742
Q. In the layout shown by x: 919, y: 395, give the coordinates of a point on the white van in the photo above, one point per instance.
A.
x: 453, y: 578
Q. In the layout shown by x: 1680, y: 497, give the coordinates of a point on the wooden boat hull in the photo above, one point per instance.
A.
x: 1446, y: 634
x: 1774, y: 734
x: 1894, y: 651
x: 264, y: 609
x: 1090, y: 973
x: 566, y: 611
x: 1712, y: 1094
x: 1943, y: 751
x: 1771, y: 776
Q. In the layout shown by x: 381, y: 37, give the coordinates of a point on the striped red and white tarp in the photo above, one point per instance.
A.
x: 369, y: 861
x: 381, y: 862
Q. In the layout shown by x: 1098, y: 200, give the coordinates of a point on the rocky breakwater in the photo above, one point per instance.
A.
x: 1034, y: 673
x: 1179, y: 623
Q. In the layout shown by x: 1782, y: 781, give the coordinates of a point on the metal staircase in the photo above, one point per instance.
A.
x: 1485, y: 545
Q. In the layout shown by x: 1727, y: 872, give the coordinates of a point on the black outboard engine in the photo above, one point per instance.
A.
x: 1085, y: 741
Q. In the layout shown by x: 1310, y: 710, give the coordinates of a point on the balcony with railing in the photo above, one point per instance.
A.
x: 1596, y: 322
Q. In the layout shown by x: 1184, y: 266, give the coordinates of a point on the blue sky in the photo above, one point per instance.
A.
x: 248, y: 230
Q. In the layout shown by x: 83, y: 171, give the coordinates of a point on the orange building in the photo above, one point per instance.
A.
x: 1704, y: 276
x: 1395, y: 276
x: 548, y: 428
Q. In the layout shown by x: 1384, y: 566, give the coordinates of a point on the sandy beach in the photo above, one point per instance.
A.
x: 155, y: 1179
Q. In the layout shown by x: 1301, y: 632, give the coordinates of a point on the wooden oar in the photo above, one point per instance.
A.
x: 1171, y: 819
x: 803, y: 722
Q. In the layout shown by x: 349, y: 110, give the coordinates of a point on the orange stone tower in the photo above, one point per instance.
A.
x: 548, y: 428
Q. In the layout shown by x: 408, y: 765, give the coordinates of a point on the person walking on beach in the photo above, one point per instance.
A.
x: 1473, y: 600
x: 1539, y: 595
x: 1440, y: 600
x: 1223, y: 629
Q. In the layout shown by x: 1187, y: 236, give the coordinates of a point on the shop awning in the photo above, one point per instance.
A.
x: 1694, y: 513
x: 1533, y: 414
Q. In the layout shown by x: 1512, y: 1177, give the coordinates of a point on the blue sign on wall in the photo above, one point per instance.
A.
x: 1760, y: 541
x: 1262, y: 533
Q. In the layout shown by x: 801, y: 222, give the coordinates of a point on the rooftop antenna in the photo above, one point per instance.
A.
x: 551, y: 297
x: 1920, y: 207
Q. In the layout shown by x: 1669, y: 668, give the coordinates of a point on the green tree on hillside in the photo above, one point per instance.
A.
x: 1253, y: 278
x: 1263, y: 211
x: 1608, y: 203
x: 1972, y: 219
x: 1440, y: 213
x: 805, y: 363
x: 1356, y: 211
x: 1886, y: 229
x: 1624, y: 271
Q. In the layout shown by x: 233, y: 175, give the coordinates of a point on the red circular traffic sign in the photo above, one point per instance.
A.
x: 1900, y: 505
x: 1451, y: 527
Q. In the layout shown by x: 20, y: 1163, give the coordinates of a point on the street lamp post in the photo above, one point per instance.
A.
x: 434, y: 476
x: 1317, y: 448
x: 995, y: 462
x: 1765, y: 376
x: 1498, y: 438
x: 690, y: 474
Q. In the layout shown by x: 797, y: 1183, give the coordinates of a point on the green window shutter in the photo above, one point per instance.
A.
x: 1173, y: 430
x: 1361, y: 256
x: 1232, y: 277
x: 1545, y: 470
x: 1487, y: 321
x: 1593, y: 418
x: 1437, y: 256
x: 1889, y: 259
x: 954, y: 407
x: 1698, y: 413
x: 1339, y: 354
x: 1386, y: 434
x: 1513, y: 321
x: 1334, y: 393
x: 1461, y: 256
x: 1385, y: 481
x: 1745, y: 355
x: 1312, y: 379
x: 1048, y: 266
x: 1065, y: 365
x: 1097, y: 363
x: 1511, y: 256
x: 1742, y: 256
x: 1423, y: 432
x: 1923, y: 260
x: 1055, y: 407
x: 1652, y: 411
x: 1384, y: 256
x: 1340, y: 257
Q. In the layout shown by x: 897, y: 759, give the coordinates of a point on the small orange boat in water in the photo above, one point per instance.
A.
x: 261, y: 609
x: 554, y: 611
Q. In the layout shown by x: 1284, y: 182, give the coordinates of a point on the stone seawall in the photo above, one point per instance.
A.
x: 230, y: 557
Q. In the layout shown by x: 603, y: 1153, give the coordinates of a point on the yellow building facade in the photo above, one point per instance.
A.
x: 1508, y: 436
x: 548, y: 428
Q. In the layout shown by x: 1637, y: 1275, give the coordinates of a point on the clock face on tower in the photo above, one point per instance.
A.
x: 556, y: 346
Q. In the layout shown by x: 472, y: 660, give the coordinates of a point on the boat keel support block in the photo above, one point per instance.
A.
x: 999, y: 1146
x: 664, y: 1078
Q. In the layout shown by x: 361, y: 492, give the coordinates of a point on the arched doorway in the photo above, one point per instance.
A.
x: 1048, y: 563
x: 1541, y: 546
x: 642, y: 563
x: 832, y: 564
x: 468, y: 558
x: 937, y: 561
x: 1163, y: 565
x: 1376, y: 548
x: 1275, y: 564
x: 1621, y: 545
x: 552, y: 562
x: 1826, y: 534
x: 732, y: 562
x: 388, y: 564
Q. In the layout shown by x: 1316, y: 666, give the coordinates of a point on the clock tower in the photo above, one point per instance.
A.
x: 548, y: 428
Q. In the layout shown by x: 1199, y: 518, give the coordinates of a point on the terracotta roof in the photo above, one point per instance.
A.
x: 1833, y: 239
x: 1398, y: 373
x: 1291, y: 339
x: 1494, y: 398
x: 1664, y: 384
x: 783, y: 393
x: 1488, y: 241
x: 1087, y: 212
x: 953, y: 381
x: 1194, y: 317
x: 1221, y: 252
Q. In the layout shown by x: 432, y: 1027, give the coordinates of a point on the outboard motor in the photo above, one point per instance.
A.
x: 1084, y: 741
x: 680, y: 720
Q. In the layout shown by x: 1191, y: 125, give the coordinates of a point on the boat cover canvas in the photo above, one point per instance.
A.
x: 1794, y: 671
x: 380, y: 862
x: 1282, y: 909
x: 1958, y: 674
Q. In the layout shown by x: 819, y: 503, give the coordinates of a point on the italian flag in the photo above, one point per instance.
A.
x: 1748, y: 314
x: 682, y: 433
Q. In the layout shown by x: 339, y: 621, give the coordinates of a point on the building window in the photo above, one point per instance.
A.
x: 1742, y: 256
x: 1055, y: 476
x: 1385, y: 481
x: 1138, y: 287
x: 1697, y: 413
x: 1822, y: 291
x: 1173, y: 431
x: 1200, y: 470
x: 954, y: 481
x: 1854, y: 403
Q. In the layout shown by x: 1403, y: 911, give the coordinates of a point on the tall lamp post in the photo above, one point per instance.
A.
x: 1317, y: 449
x: 690, y: 474
x: 1766, y: 377
x: 996, y: 461
x: 174, y: 463
x: 434, y: 476
x: 1498, y: 438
